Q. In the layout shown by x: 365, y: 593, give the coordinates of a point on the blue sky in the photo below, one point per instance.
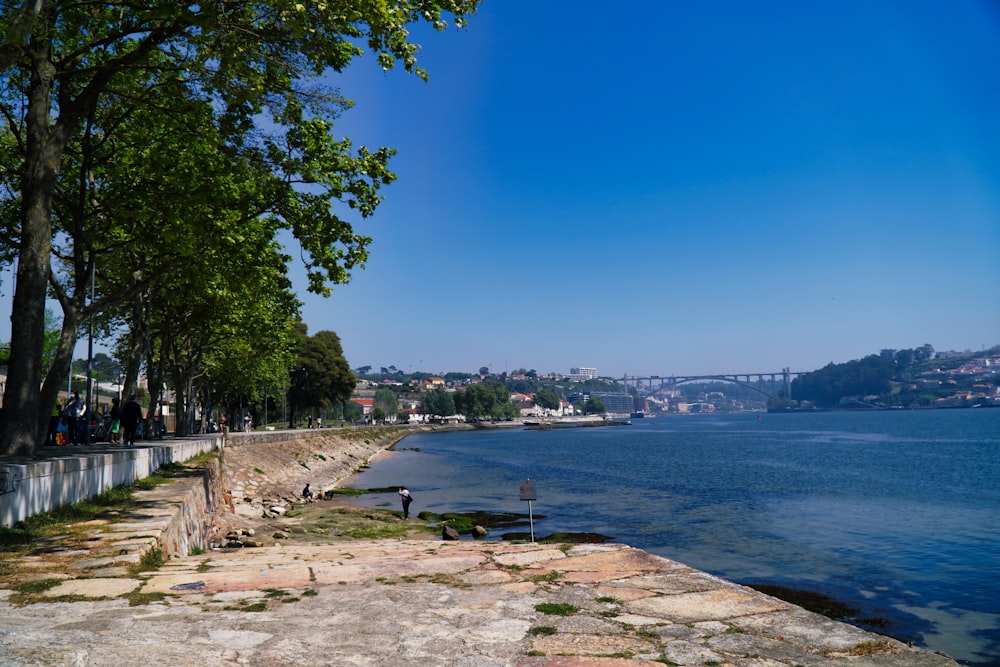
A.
x: 679, y: 187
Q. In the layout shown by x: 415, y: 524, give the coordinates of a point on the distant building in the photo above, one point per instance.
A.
x: 582, y: 374
x: 615, y: 403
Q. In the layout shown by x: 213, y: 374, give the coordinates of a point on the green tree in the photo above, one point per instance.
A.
x: 547, y: 400
x: 488, y: 400
x: 321, y: 377
x: 76, y: 75
x: 386, y: 400
x: 594, y: 406
x: 439, y: 403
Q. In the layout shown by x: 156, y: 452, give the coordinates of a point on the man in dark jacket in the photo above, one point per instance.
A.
x: 131, y: 415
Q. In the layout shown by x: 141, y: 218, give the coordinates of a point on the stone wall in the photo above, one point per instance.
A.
x: 75, y: 474
x: 274, y: 465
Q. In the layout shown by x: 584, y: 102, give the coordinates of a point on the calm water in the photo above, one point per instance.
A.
x: 897, y: 513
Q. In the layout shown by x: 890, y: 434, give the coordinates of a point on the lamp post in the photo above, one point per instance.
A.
x: 90, y: 360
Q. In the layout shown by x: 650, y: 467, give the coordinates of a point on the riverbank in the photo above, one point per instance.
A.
x: 316, y: 593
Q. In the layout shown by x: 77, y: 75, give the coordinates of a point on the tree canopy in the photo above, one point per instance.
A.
x: 138, y: 138
x: 322, y: 377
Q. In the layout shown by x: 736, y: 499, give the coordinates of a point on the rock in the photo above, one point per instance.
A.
x: 280, y: 535
x: 249, y: 532
x: 449, y: 533
x: 479, y: 531
x: 278, y: 509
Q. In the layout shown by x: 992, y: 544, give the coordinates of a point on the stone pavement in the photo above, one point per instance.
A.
x: 419, y: 602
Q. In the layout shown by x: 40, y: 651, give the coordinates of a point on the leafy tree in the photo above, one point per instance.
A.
x: 402, y: 416
x: 484, y: 370
x: 386, y: 400
x: 362, y: 370
x: 594, y: 406
x: 489, y: 400
x: 378, y: 414
x: 547, y: 400
x: 321, y: 377
x: 77, y: 75
x: 439, y: 403
x: 904, y: 358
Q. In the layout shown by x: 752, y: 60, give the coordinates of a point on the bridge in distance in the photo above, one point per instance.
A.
x: 773, y: 385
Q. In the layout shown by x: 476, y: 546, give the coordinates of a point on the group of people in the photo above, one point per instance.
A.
x: 404, y: 495
x: 68, y: 426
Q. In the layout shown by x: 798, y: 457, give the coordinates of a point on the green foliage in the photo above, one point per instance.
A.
x: 594, y: 406
x: 827, y: 386
x: 542, y: 630
x: 488, y: 400
x: 546, y: 399
x: 439, y: 402
x: 386, y: 400
x: 165, y: 145
x: 321, y: 377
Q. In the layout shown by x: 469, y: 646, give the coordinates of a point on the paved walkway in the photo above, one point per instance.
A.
x: 401, y: 603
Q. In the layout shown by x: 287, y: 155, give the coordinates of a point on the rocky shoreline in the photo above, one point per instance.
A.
x: 338, y: 585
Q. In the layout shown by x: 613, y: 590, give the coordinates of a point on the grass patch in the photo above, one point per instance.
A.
x: 556, y: 608
x: 345, y: 492
x: 607, y: 599
x: 259, y: 471
x: 547, y: 577
x: 138, y: 598
x: 872, y: 647
x: 36, y: 587
x: 151, y: 561
x: 540, y: 630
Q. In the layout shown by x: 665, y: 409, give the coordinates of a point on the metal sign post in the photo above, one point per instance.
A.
x: 527, y: 492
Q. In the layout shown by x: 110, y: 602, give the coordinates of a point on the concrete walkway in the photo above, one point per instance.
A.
x: 401, y: 603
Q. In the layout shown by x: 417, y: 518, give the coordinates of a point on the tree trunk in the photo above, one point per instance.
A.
x: 23, y: 419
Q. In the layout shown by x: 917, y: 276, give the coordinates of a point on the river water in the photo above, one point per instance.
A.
x: 896, y: 513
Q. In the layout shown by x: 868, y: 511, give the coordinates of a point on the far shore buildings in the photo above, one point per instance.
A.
x: 582, y: 374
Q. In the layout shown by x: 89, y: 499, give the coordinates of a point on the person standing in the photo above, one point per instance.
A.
x: 116, y: 419
x: 52, y: 437
x: 73, y: 414
x: 407, y: 498
x: 130, y: 417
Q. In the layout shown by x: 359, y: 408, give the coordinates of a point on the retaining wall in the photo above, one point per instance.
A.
x: 40, y: 486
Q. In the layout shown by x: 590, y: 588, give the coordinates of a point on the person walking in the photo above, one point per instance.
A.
x: 130, y: 417
x: 407, y: 498
x: 73, y: 414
